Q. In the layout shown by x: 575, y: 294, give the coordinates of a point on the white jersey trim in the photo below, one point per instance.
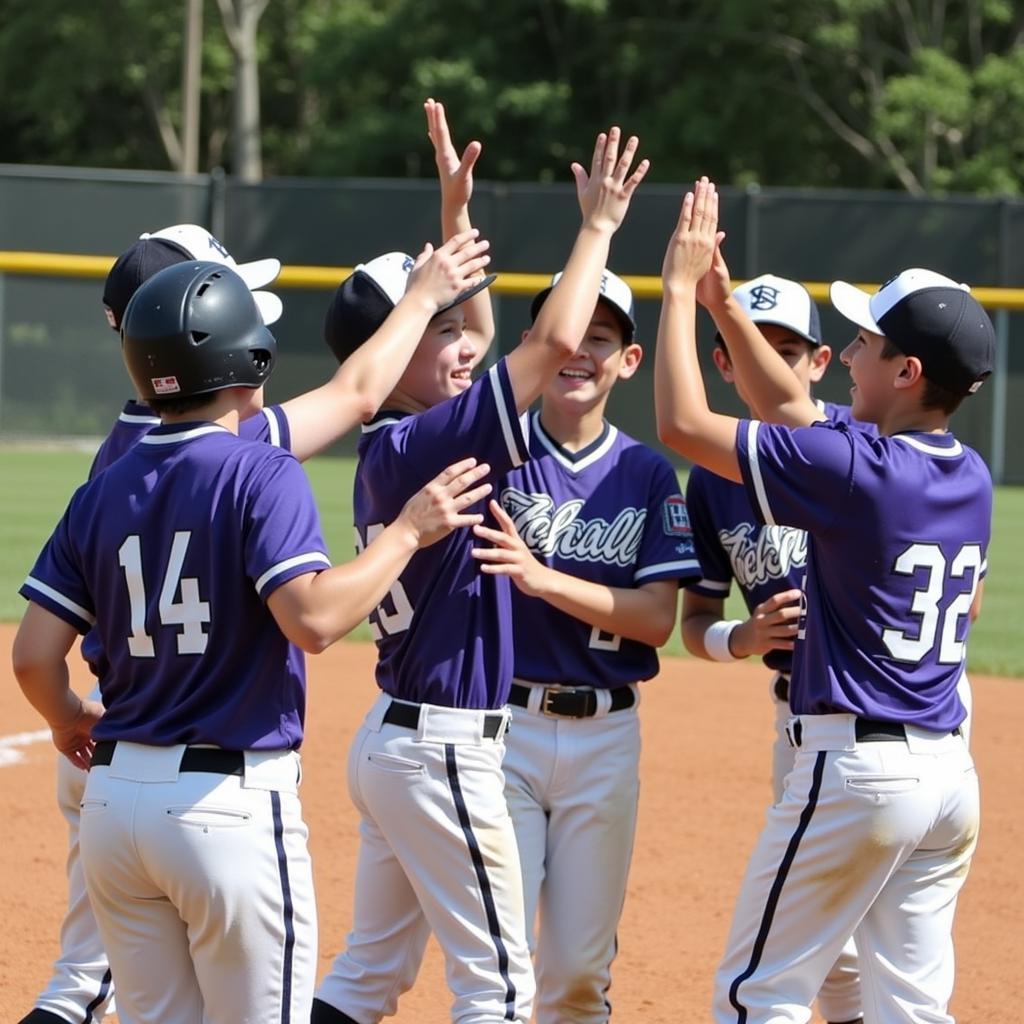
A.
x: 369, y: 428
x: 755, y: 473
x: 931, y: 449
x: 127, y: 417
x: 183, y: 435
x: 65, y: 602
x: 507, y: 428
x: 310, y: 557
x: 275, y: 427
x: 714, y: 585
x: 662, y: 567
x: 588, y: 460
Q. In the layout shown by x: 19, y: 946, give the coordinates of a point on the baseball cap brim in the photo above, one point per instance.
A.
x: 485, y: 282
x: 269, y: 305
x: 854, y: 304
x: 259, y: 272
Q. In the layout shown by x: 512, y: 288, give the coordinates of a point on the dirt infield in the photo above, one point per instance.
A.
x: 707, y: 739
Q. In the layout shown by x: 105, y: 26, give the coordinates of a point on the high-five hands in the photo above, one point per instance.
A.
x: 605, y: 192
x: 695, y: 240
x: 440, y: 275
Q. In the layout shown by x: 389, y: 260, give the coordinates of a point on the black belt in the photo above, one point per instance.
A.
x: 578, y: 703
x: 408, y: 717
x: 193, y: 759
x: 781, y: 688
x: 869, y: 730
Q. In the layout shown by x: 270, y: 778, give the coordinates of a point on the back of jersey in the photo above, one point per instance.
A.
x: 172, y: 552
x: 899, y: 530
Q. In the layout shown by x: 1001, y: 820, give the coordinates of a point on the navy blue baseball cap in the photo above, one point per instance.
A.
x: 931, y: 317
x: 614, y: 292
x: 181, y: 243
x: 363, y: 301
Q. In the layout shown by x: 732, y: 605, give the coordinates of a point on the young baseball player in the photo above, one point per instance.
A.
x: 80, y: 987
x: 594, y: 534
x: 878, y: 821
x: 192, y: 841
x: 437, y: 849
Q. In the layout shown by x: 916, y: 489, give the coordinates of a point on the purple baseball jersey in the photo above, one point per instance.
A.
x: 269, y: 425
x: 610, y: 513
x: 898, y: 531
x: 444, y: 632
x: 171, y: 553
x: 733, y: 544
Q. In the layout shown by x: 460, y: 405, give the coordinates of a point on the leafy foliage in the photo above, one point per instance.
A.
x: 923, y: 96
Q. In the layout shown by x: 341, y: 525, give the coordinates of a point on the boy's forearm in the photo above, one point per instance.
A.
x: 360, y: 385
x: 646, y: 615
x: 477, y: 310
x: 316, y: 610
x: 562, y: 321
x: 685, y: 421
x: 774, y: 391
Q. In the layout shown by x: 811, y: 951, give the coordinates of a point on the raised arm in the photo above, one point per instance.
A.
x: 320, y: 417
x: 768, y: 383
x: 455, y: 174
x: 685, y: 422
x: 316, y: 609
x: 604, y: 196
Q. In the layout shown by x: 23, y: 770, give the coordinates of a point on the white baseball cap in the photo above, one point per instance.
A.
x: 614, y: 291
x: 364, y: 300
x: 199, y: 244
x: 930, y: 316
x: 777, y: 300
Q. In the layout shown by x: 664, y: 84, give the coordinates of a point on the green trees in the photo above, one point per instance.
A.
x: 922, y: 95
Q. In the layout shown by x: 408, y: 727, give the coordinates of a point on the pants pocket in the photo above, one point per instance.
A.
x: 208, y: 817
x: 392, y: 763
x: 882, y: 785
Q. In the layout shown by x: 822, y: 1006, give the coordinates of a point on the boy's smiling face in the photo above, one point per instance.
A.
x: 601, y: 360
x: 444, y: 361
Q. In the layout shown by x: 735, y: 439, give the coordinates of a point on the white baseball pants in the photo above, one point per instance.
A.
x: 572, y: 786
x: 202, y: 888
x: 871, y: 839
x: 437, y: 853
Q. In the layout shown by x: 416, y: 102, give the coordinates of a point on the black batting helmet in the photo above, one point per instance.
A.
x: 193, y: 328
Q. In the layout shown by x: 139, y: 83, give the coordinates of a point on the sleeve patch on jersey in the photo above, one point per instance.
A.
x: 675, y: 520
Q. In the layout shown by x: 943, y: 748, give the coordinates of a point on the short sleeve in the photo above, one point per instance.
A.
x: 796, y: 476
x: 283, y: 538
x: 716, y: 569
x: 56, y: 581
x: 666, y: 549
x: 269, y: 425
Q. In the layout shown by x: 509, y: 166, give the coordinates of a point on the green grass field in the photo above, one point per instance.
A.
x: 37, y: 483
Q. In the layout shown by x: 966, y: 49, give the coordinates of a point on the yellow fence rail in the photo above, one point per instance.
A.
x: 52, y: 264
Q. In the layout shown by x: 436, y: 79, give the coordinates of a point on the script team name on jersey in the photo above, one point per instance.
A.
x: 760, y: 554
x: 548, y: 529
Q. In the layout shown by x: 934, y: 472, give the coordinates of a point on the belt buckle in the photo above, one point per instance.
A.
x: 550, y: 693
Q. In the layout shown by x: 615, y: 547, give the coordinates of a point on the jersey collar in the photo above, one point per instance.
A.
x: 175, y: 433
x: 384, y: 418
x: 943, y: 445
x: 575, y: 461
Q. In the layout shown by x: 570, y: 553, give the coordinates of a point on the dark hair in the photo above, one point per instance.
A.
x: 934, y: 396
x: 180, y: 406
